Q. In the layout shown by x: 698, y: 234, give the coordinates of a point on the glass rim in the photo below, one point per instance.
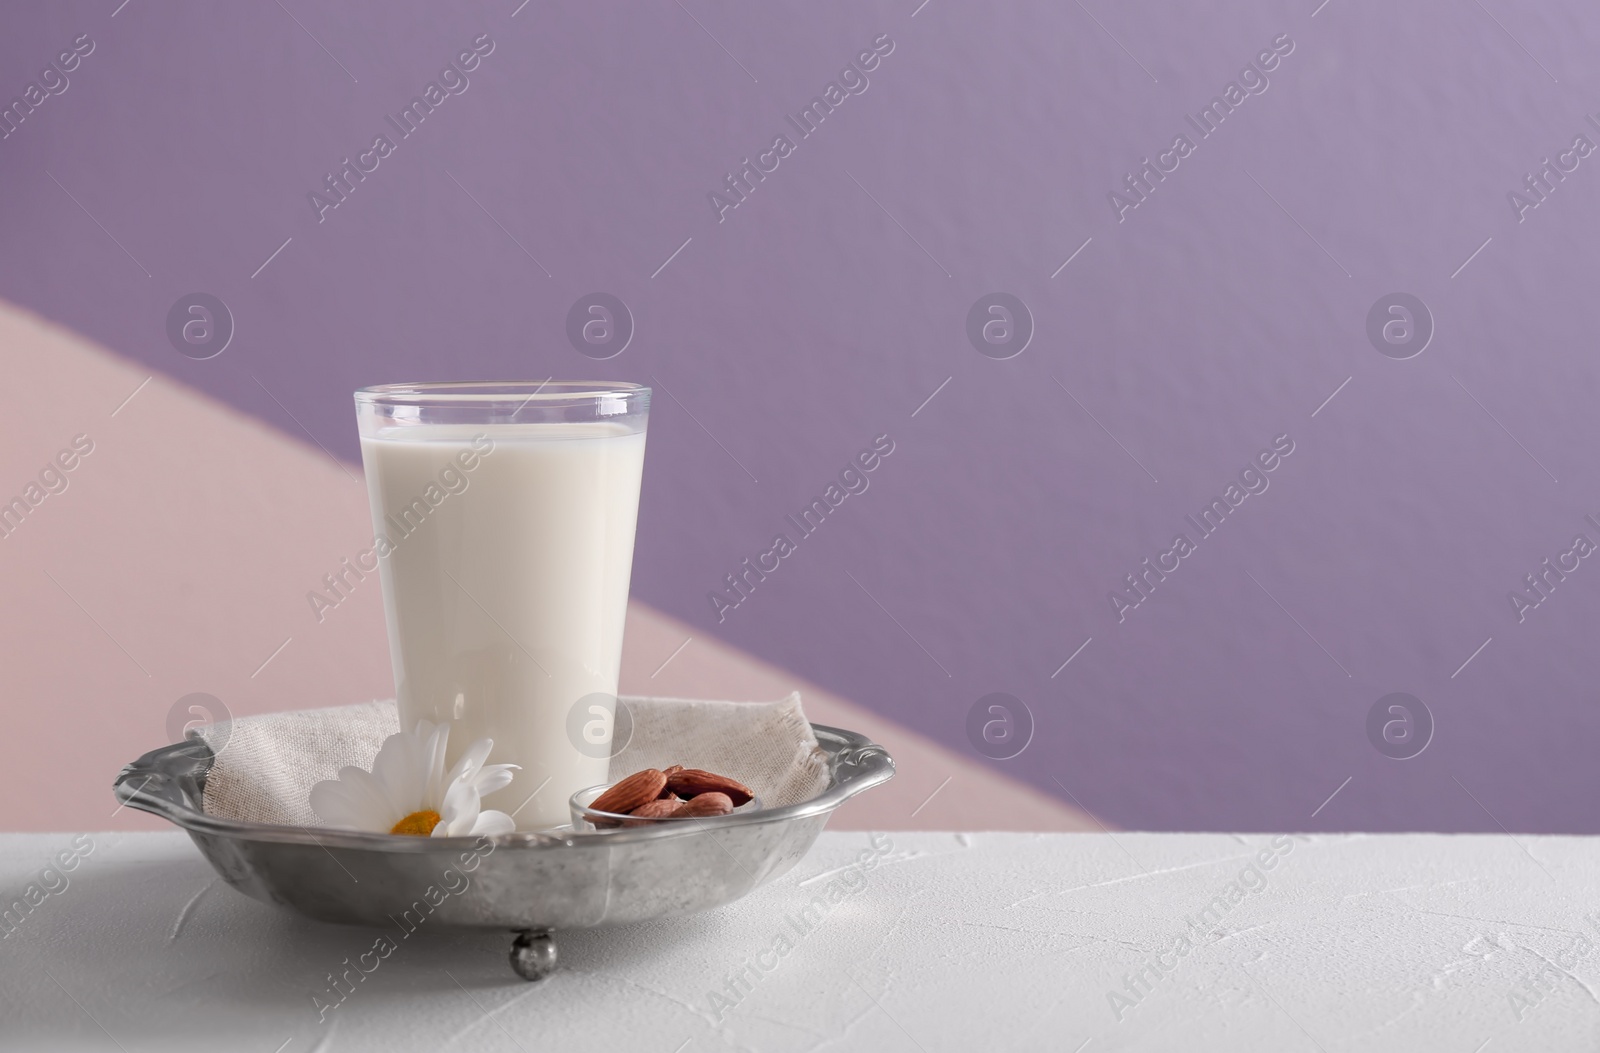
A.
x: 477, y: 392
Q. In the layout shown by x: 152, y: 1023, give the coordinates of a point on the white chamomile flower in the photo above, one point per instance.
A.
x: 408, y: 791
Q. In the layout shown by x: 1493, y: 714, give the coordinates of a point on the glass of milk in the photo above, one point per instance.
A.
x: 504, y: 517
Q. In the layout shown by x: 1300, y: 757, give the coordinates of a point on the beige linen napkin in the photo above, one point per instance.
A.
x: 266, y: 765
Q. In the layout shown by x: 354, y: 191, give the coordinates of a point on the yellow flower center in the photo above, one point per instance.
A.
x: 417, y: 824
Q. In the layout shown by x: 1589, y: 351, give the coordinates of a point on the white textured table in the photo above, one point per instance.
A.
x: 950, y: 942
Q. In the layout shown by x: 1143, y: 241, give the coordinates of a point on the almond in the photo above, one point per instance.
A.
x: 704, y: 806
x: 630, y: 793
x: 666, y: 791
x: 657, y: 809
x: 693, y: 782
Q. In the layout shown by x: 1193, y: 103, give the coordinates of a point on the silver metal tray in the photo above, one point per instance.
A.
x: 532, y: 884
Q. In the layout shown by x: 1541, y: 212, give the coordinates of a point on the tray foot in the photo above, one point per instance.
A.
x: 533, y: 954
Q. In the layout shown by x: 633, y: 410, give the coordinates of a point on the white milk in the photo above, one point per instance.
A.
x: 506, y: 588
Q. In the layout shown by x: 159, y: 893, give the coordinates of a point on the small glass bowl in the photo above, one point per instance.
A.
x: 585, y: 818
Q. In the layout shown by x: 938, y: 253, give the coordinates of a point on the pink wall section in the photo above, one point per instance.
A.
x: 177, y: 559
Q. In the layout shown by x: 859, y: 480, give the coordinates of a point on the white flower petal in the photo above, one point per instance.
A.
x: 460, y: 811
x: 438, y: 740
x: 367, y: 793
x: 492, y: 822
x: 398, y: 770
x: 357, y: 801
x: 336, y: 805
x: 467, y: 767
x: 494, y: 776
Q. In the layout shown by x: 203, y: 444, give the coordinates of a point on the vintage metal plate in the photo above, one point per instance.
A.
x: 517, y: 881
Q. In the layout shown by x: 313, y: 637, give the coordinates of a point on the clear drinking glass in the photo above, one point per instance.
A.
x: 504, y: 516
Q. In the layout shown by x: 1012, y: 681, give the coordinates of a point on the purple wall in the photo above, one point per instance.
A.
x: 1214, y: 316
